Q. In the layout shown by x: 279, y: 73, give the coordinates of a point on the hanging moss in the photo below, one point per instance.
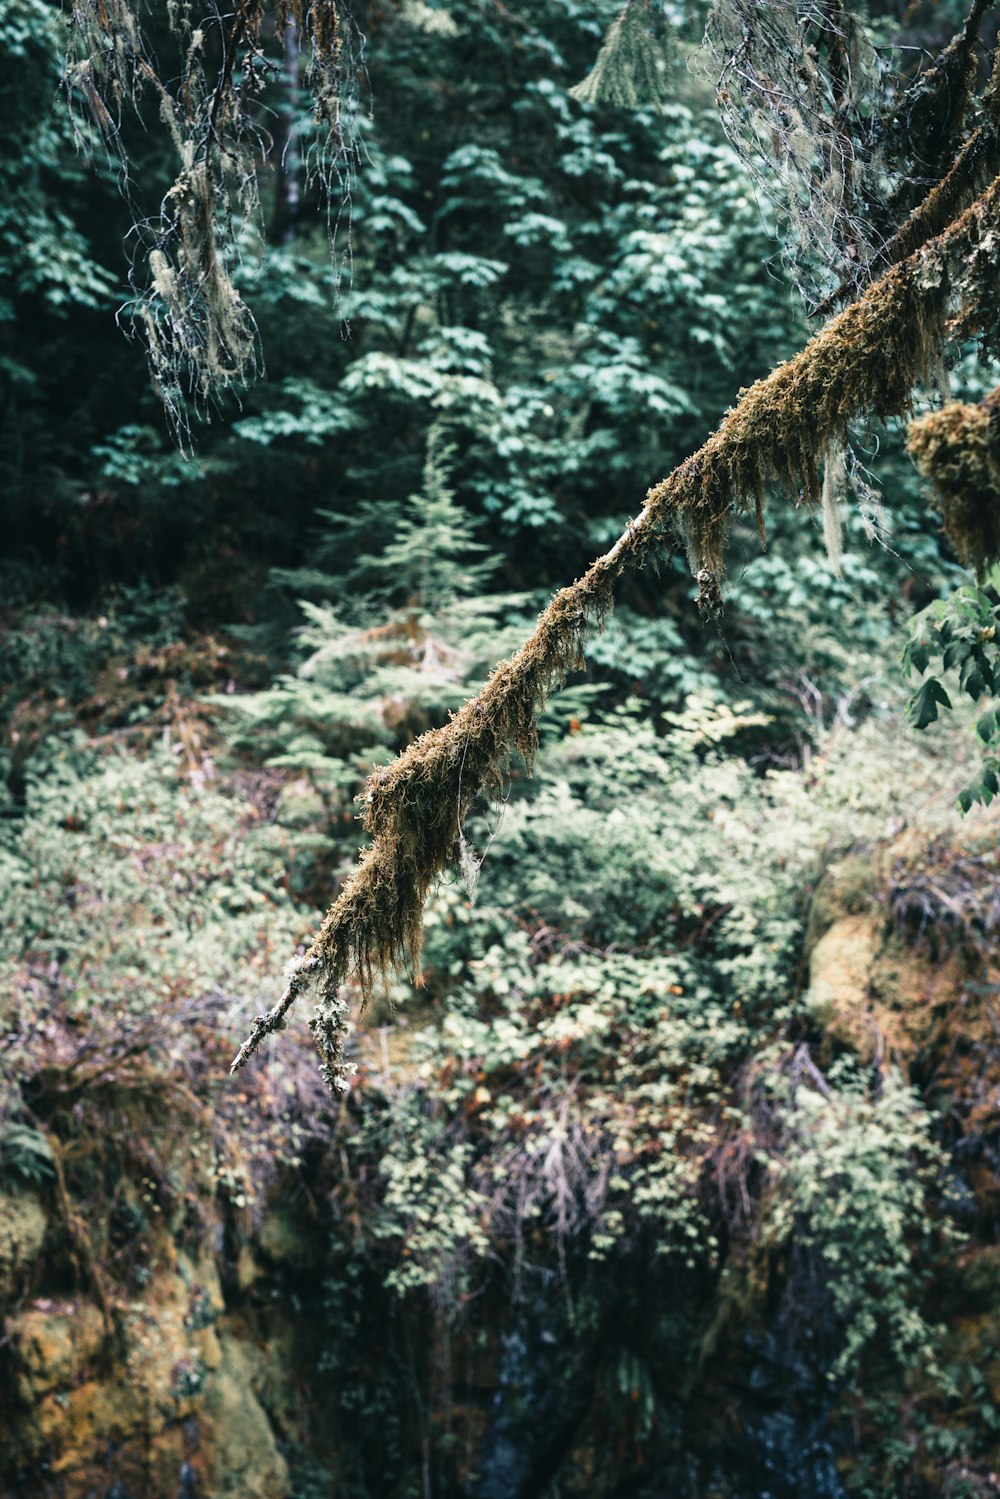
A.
x: 958, y: 449
x: 798, y: 89
x: 200, y: 335
x: 971, y: 170
x: 834, y: 485
x: 632, y: 67
x: 865, y: 362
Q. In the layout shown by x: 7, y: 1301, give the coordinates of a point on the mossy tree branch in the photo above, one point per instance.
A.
x: 958, y: 450
x: 866, y: 362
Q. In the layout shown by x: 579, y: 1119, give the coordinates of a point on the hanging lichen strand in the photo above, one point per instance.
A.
x: 797, y: 89
x: 843, y: 147
x: 199, y: 332
x: 959, y: 180
x: 958, y: 449
x: 866, y: 362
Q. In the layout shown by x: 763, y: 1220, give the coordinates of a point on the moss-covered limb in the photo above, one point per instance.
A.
x: 297, y: 974
x: 865, y: 362
x: 958, y: 449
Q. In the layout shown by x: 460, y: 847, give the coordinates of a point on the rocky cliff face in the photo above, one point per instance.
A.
x: 198, y: 1372
x: 904, y: 970
x: 175, y: 1391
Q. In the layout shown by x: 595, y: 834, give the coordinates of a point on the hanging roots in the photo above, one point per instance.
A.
x: 958, y: 449
x: 865, y: 362
x: 199, y: 333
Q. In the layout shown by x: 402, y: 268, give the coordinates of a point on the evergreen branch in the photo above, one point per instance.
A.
x: 631, y: 70
x: 865, y: 362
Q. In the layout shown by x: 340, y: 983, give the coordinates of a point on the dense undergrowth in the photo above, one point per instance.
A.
x: 677, y: 1170
x: 611, y: 1147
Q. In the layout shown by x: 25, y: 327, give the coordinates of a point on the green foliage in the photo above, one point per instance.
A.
x: 578, y: 1138
x: 625, y: 957
x: 961, y: 631
x: 203, y: 901
x: 859, y: 1169
x: 26, y: 1154
x: 43, y: 254
x: 572, y: 1109
x: 573, y: 1085
x: 402, y: 652
x: 560, y: 298
x: 925, y: 703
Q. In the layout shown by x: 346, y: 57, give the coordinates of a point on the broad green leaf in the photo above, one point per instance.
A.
x: 987, y: 726
x: 922, y: 708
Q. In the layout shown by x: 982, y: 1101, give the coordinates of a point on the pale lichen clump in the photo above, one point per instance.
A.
x: 330, y: 1029
x: 866, y: 362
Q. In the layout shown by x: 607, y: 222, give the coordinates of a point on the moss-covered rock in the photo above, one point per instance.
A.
x: 241, y: 1455
x: 289, y: 1238
x: 847, y: 888
x: 22, y: 1235
x: 164, y: 1385
x: 54, y: 1342
x: 887, y: 984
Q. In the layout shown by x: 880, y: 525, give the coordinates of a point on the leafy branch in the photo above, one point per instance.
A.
x: 960, y: 632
